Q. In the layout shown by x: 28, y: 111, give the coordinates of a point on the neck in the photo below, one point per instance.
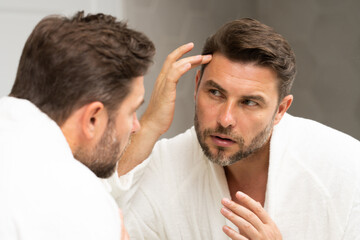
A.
x: 249, y: 175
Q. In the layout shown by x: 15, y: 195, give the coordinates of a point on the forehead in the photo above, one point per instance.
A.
x: 242, y: 77
x: 135, y: 95
x: 137, y: 87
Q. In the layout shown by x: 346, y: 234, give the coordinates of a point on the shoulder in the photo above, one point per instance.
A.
x: 41, y: 183
x: 315, y: 150
x: 315, y: 135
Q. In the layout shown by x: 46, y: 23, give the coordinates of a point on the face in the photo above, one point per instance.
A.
x: 102, y: 159
x: 236, y: 109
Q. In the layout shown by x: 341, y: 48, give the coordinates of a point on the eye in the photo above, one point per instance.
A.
x: 215, y: 92
x: 248, y: 102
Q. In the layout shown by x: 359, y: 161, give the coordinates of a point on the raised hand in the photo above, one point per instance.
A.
x: 160, y: 111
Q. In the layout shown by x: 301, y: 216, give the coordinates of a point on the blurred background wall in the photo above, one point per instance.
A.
x: 324, y: 34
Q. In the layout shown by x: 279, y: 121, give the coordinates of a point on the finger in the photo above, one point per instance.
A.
x: 180, y: 51
x: 254, y: 206
x: 243, y: 212
x: 245, y: 227
x: 180, y: 67
x: 194, y: 60
x: 175, y: 73
x: 233, y: 234
x: 173, y: 57
x: 206, y: 59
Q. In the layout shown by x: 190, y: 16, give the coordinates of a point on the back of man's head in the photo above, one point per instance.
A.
x: 67, y: 63
x: 249, y: 41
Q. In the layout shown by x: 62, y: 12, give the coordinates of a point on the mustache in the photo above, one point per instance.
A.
x: 226, y: 131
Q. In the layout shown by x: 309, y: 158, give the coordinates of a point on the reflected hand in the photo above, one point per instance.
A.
x: 252, y: 220
x: 160, y: 112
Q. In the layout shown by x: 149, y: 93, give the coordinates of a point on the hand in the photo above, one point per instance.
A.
x: 251, y: 219
x: 160, y: 112
x: 124, y: 233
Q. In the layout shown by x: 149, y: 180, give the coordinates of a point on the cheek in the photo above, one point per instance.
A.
x: 255, y: 123
x: 206, y: 110
x: 124, y: 127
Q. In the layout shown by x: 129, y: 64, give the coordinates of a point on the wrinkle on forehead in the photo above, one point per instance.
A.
x: 245, y: 78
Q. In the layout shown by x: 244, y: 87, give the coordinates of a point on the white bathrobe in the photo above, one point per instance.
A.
x: 46, y: 194
x: 313, y: 189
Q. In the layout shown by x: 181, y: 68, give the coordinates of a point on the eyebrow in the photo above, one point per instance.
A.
x: 211, y: 83
x: 255, y: 97
x: 139, y: 105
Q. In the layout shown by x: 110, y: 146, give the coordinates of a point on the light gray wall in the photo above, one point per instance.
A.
x: 324, y: 34
x: 19, y: 17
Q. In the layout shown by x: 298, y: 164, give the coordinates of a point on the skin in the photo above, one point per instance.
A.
x: 238, y: 99
x: 126, y: 122
x: 98, y: 141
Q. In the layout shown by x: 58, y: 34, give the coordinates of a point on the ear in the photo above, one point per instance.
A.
x: 93, y: 121
x: 283, y: 107
x: 197, y: 82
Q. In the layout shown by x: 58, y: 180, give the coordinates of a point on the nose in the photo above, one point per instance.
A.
x: 226, y: 117
x: 136, y: 124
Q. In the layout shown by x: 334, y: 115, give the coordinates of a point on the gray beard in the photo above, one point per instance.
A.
x: 102, y: 160
x: 244, y: 151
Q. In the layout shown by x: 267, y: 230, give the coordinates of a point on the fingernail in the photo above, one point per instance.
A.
x: 226, y: 229
x: 226, y: 200
x: 240, y: 194
x: 226, y: 210
x: 190, y: 44
x: 207, y: 57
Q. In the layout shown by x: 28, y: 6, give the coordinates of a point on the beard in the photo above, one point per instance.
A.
x: 244, y: 151
x: 103, y: 158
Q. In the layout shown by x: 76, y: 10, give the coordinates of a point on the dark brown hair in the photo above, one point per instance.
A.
x: 249, y: 41
x: 67, y: 63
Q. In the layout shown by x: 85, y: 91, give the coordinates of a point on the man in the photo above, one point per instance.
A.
x: 247, y: 169
x: 66, y: 122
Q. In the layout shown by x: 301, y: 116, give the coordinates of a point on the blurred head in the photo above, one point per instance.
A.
x: 244, y: 91
x: 103, y: 156
x: 69, y: 63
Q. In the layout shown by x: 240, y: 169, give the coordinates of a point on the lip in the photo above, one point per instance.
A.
x: 222, y: 140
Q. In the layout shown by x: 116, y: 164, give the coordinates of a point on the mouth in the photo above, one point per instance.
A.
x: 222, y: 140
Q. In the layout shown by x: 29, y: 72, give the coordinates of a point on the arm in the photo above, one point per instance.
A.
x: 252, y: 220
x: 160, y: 112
